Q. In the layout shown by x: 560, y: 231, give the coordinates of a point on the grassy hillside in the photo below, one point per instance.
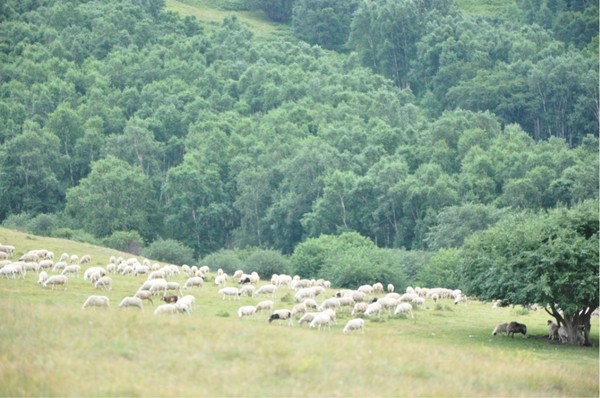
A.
x: 49, y: 346
x: 207, y: 12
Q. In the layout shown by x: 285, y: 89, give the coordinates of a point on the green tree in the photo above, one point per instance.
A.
x: 323, y: 22
x: 31, y: 172
x: 550, y: 259
x: 115, y: 196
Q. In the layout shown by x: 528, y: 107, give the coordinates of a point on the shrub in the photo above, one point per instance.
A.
x: 267, y: 263
x: 17, y: 221
x: 169, y: 251
x: 126, y: 241
x: 43, y: 224
x: 227, y: 260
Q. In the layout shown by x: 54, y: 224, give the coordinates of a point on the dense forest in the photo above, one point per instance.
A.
x: 404, y: 126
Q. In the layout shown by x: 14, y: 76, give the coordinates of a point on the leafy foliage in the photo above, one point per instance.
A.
x: 170, y: 251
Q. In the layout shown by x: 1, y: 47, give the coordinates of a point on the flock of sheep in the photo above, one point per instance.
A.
x: 310, y: 306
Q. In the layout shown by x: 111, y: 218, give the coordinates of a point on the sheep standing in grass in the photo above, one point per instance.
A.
x: 247, y: 290
x: 552, y: 330
x: 373, y: 308
x: 266, y: 289
x: 266, y: 305
x: 515, y: 327
x: 42, y: 277
x: 104, y: 282
x: 320, y: 320
x: 144, y: 295
x: 193, y: 281
x: 500, y: 328
x: 307, y: 317
x: 404, y: 308
x: 230, y: 292
x: 56, y: 280
x: 281, y: 314
x: 188, y: 301
x: 96, y: 301
x: 359, y: 308
x: 131, y: 302
x: 167, y: 309
x: 246, y: 310
x: 354, y: 324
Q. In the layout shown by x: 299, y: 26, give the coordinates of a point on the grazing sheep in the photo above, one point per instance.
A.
x: 42, y: 277
x: 56, y: 280
x: 104, y: 282
x: 59, y: 266
x: 144, y: 295
x: 404, y: 308
x: 246, y: 310
x: 299, y: 308
x: 87, y: 275
x: 373, y: 308
x: 46, y: 264
x: 354, y: 324
x: 387, y: 302
x: 188, y: 300
x: 71, y: 270
x: 500, y: 328
x: 266, y: 289
x: 321, y: 319
x: 307, y: 317
x: 418, y: 301
x: 552, y: 330
x: 85, y: 259
x: 96, y: 301
x: 366, y: 289
x: 193, y: 281
x: 332, y: 302
x: 359, y: 308
x: 247, y: 290
x: 281, y: 314
x: 390, y: 288
x: 170, y: 299
x: 515, y: 327
x: 74, y: 259
x: 221, y: 280
x: 158, y: 285
x: 174, y: 286
x: 378, y: 288
x: 230, y: 292
x: 131, y: 302
x: 167, y: 309
x: 265, y: 305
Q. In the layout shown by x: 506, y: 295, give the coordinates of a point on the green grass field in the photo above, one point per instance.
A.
x: 50, y: 346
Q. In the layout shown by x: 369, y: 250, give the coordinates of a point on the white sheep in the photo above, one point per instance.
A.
x: 265, y: 305
x: 193, y: 281
x: 354, y: 324
x: 404, y: 308
x: 46, y: 264
x: 105, y: 282
x: 332, y: 302
x: 167, y: 309
x: 266, y: 289
x: 366, y: 289
x: 96, y: 301
x: 85, y: 259
x: 307, y: 317
x: 42, y: 277
x: 188, y: 300
x: 144, y: 295
x: 131, y: 302
x: 221, y: 280
x: 56, y: 280
x: 174, y: 286
x: 92, y: 270
x: 320, y: 320
x: 373, y: 308
x: 359, y: 308
x: 378, y: 288
x: 390, y: 288
x: 246, y: 310
x: 247, y: 290
x: 230, y: 292
x: 500, y: 328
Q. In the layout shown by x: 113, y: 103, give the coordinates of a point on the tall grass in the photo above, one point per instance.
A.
x: 49, y: 346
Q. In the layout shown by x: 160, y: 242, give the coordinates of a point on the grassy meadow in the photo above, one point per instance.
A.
x: 50, y: 346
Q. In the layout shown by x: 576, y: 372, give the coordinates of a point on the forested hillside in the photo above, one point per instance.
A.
x: 411, y: 123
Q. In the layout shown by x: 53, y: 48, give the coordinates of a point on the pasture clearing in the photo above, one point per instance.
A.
x: 49, y: 346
